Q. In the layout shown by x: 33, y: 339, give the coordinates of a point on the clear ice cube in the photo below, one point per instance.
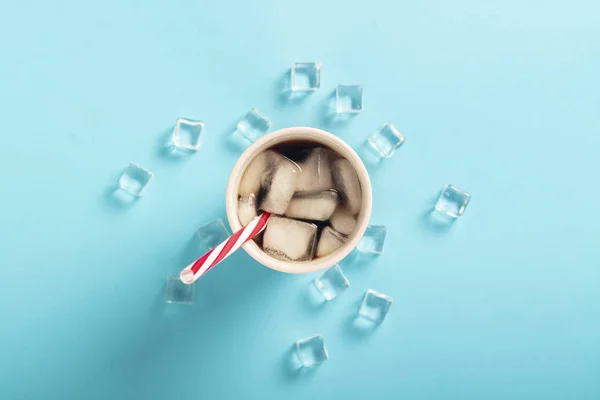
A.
x: 348, y: 99
x: 329, y: 242
x: 135, y: 179
x: 247, y: 208
x: 347, y: 183
x: 311, y: 351
x: 178, y: 292
x: 386, y: 140
x: 289, y: 240
x: 306, y: 76
x: 315, y: 171
x: 279, y: 185
x: 343, y: 221
x: 373, y: 240
x: 375, y: 306
x: 253, y: 126
x: 313, y: 206
x: 213, y: 233
x: 452, y: 201
x: 187, y: 134
x: 332, y: 283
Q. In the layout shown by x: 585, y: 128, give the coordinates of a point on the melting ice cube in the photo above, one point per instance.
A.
x: 342, y: 221
x: 247, y: 208
x: 290, y: 240
x: 313, y: 206
x: 316, y: 171
x: 278, y: 184
x: 329, y: 242
x: 251, y: 179
x: 346, y: 182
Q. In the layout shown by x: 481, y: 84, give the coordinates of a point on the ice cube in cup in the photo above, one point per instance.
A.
x: 315, y: 171
x: 289, y: 240
x: 278, y: 185
x: 312, y: 206
x: 253, y: 176
x: 251, y: 179
x: 347, y: 183
x: 329, y: 242
x: 247, y: 208
x: 342, y: 221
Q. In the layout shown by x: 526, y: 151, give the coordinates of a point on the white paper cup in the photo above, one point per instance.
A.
x: 316, y: 136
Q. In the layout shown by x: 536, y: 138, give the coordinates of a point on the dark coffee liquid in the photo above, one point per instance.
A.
x: 298, y: 150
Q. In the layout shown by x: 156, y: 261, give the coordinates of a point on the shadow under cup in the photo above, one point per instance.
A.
x: 316, y: 137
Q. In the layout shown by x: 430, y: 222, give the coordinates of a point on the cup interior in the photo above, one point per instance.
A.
x: 316, y: 136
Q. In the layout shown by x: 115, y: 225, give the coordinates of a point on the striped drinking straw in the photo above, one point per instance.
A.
x: 202, y: 265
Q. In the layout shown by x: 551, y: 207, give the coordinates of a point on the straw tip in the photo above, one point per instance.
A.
x: 186, y: 276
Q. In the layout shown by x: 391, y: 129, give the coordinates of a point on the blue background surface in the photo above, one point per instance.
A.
x: 500, y: 98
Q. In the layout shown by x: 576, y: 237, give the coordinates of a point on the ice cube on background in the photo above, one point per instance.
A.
x: 347, y: 183
x: 348, y: 99
x: 342, y: 221
x: 329, y: 242
x: 313, y: 206
x: 452, y: 201
x: 386, y: 140
x: 289, y: 240
x: 373, y: 240
x: 247, y: 208
x: 253, y: 126
x: 135, y: 179
x: 332, y: 283
x: 187, y: 134
x: 375, y: 306
x: 178, y: 292
x: 306, y: 76
x: 279, y: 185
x: 311, y: 351
x: 213, y: 233
x: 315, y: 171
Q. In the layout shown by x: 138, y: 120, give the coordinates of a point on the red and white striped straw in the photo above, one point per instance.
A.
x: 202, y: 265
